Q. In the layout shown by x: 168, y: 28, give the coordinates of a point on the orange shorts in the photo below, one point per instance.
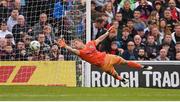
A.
x: 110, y: 61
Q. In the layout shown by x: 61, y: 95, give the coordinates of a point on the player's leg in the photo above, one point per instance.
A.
x: 113, y: 73
x: 131, y: 64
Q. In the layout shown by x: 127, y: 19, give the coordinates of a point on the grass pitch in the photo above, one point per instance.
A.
x: 56, y: 93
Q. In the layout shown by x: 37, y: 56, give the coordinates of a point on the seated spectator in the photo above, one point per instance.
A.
x: 125, y: 38
x: 38, y: 27
x: 168, y: 40
x: 130, y: 53
x: 177, y: 48
x: 9, y: 54
x: 178, y: 56
x: 21, y: 53
x: 105, y: 45
x: 162, y: 56
x: 140, y: 32
x: 142, y: 55
x: 3, y: 44
x: 175, y: 12
x: 145, y: 9
x: 176, y: 34
x: 151, y: 47
x: 4, y: 31
x: 170, y: 51
x: 109, y: 10
x: 49, y: 36
x: 163, y: 28
x: 97, y: 28
x: 126, y: 11
x: 27, y: 39
x: 55, y: 54
x: 115, y: 50
x: 38, y: 55
x: 12, y: 20
x: 158, y: 6
x: 157, y: 35
x: 44, y: 47
x: 20, y: 28
x: 119, y: 18
x: 10, y: 40
x: 138, y: 43
x: 130, y: 25
x: 4, y: 10
x: 140, y: 1
x: 170, y: 21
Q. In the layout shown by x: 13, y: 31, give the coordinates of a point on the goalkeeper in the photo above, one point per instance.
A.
x: 106, y: 62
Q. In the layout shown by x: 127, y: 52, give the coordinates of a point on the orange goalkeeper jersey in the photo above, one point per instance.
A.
x: 92, y: 55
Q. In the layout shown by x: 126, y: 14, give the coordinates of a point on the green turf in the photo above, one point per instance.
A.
x: 32, y: 93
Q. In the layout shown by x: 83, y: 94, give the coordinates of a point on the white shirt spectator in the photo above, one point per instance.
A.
x: 4, y: 33
x: 10, y: 23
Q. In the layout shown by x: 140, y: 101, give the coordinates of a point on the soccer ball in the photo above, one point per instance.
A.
x: 34, y: 45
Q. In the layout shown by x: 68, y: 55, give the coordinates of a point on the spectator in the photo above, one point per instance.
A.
x: 12, y: 20
x: 170, y: 51
x: 115, y: 50
x: 109, y: 10
x: 158, y: 7
x: 157, y: 35
x: 177, y: 48
x: 8, y: 55
x: 3, y: 44
x: 151, y: 47
x: 175, y: 12
x: 145, y: 9
x: 138, y: 2
x: 125, y: 38
x: 176, y: 34
x: 20, y: 28
x: 106, y: 43
x: 27, y: 39
x: 97, y: 28
x: 10, y: 40
x: 142, y: 55
x: 168, y: 40
x: 55, y: 54
x: 119, y: 18
x: 141, y: 33
x: 38, y: 27
x: 4, y: 10
x: 178, y: 56
x: 4, y: 30
x: 100, y: 4
x: 169, y: 20
x: 154, y: 17
x: 138, y: 23
x: 126, y: 11
x: 49, y: 36
x: 44, y: 47
x: 130, y: 54
x: 21, y: 53
x: 130, y: 25
x: 163, y: 28
x: 38, y: 55
x: 162, y: 56
x: 132, y: 4
x: 138, y: 43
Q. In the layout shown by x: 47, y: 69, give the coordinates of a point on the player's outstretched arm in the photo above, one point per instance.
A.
x: 102, y: 37
x: 62, y: 44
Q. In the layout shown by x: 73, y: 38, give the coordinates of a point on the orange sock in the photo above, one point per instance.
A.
x: 134, y: 65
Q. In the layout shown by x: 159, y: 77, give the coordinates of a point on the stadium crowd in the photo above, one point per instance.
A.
x: 146, y: 29
x: 23, y: 21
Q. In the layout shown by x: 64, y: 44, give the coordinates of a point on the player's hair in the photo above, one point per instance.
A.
x: 77, y: 39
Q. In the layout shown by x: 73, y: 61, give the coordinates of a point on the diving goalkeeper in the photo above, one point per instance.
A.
x: 106, y: 62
